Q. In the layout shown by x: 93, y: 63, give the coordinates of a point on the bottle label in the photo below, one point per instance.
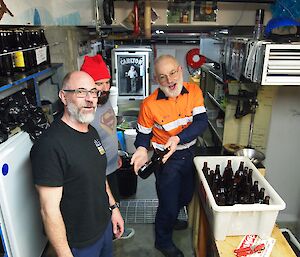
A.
x: 19, y: 59
x: 41, y: 55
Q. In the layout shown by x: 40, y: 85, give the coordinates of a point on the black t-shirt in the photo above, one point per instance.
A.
x: 77, y: 162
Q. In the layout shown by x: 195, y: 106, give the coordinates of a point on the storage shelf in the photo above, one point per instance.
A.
x: 218, y: 131
x: 15, y: 83
x: 217, y: 76
x: 214, y: 100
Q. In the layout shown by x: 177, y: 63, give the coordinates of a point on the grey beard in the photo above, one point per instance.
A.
x: 80, y: 117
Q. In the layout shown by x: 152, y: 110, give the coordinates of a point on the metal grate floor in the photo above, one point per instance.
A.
x: 143, y: 211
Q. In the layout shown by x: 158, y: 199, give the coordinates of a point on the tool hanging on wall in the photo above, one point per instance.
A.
x: 136, y: 28
x: 194, y: 60
x: 4, y: 9
x: 245, y: 103
x: 108, y: 11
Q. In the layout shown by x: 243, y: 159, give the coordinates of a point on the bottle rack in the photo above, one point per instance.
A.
x: 27, y: 49
x: 19, y: 81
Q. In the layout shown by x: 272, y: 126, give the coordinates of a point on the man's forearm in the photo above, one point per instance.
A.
x: 111, y: 198
x: 56, y: 232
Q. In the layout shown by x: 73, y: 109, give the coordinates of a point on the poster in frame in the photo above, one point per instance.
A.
x: 131, y: 73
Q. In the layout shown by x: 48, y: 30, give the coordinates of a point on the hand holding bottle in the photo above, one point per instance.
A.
x: 139, y: 158
x: 171, y: 146
x: 151, y: 166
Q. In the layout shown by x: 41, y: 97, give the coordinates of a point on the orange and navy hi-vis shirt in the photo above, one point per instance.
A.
x: 161, y: 117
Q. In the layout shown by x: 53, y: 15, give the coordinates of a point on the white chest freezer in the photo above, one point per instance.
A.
x: 20, y: 220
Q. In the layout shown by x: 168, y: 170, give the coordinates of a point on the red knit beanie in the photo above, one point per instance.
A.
x: 95, y: 67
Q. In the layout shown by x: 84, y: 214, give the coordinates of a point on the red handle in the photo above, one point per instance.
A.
x: 136, y: 29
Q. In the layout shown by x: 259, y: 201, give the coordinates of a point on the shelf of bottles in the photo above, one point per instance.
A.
x: 22, y: 50
x: 24, y: 56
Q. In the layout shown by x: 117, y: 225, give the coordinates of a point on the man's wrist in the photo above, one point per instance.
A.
x: 142, y: 149
x: 114, y: 206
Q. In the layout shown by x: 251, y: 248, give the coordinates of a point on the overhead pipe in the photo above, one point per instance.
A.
x: 147, y: 19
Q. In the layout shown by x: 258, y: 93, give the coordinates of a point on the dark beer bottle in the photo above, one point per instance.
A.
x: 217, y: 173
x: 35, y: 44
x: 205, y: 169
x: 250, y: 172
x: 266, y: 200
x: 149, y: 167
x: 255, y: 190
x: 220, y: 197
x: 251, y: 198
x: 261, y: 195
x: 227, y: 175
x: 235, y: 193
x: 44, y: 43
x: 7, y: 68
x: 18, y: 55
x: 210, y: 175
x: 239, y: 173
x: 30, y: 50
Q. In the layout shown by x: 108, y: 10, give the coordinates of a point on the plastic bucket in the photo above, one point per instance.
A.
x: 130, y: 135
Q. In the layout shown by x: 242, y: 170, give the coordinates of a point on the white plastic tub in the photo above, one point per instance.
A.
x: 239, y: 219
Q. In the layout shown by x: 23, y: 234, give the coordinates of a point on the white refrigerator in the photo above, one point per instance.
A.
x: 20, y: 221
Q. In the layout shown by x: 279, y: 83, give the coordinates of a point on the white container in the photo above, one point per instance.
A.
x: 239, y: 219
x: 113, y: 97
x: 130, y: 135
x: 116, y: 110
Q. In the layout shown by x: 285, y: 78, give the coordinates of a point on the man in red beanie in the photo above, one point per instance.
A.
x: 105, y: 123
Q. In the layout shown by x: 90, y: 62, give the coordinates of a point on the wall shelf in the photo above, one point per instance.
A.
x: 17, y: 82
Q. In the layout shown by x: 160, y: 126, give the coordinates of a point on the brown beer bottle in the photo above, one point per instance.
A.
x: 7, y: 68
x: 227, y: 175
x: 266, y: 200
x: 261, y: 195
x: 149, y: 167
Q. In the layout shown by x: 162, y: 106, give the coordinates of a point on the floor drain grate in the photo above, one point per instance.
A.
x: 143, y: 211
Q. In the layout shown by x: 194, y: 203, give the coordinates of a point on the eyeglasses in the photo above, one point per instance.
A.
x: 82, y: 92
x: 171, y: 75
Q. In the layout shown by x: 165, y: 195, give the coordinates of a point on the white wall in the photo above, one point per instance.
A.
x: 81, y: 12
x: 228, y: 13
x: 283, y: 154
x: 50, y: 12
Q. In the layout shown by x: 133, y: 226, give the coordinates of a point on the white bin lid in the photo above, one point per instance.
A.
x: 130, y: 132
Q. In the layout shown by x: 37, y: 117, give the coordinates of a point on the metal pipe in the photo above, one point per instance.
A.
x: 147, y: 19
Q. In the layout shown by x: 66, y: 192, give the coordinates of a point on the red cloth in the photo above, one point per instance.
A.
x: 95, y: 67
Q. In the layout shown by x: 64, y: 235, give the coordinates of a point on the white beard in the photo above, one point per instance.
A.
x: 172, y: 93
x: 76, y: 114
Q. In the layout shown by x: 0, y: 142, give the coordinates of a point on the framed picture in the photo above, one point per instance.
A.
x: 205, y: 11
x: 179, y: 12
x: 131, y: 72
